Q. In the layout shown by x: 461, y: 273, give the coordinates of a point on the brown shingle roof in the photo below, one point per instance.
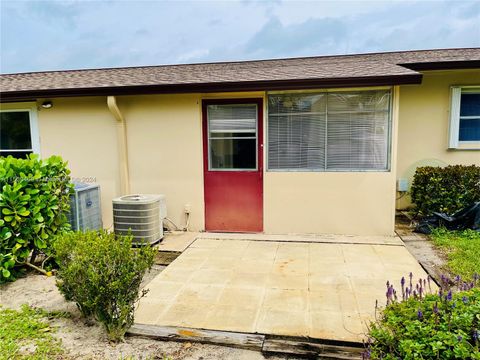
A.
x: 342, y: 70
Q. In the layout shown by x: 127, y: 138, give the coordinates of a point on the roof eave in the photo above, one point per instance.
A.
x: 442, y: 65
x: 296, y: 84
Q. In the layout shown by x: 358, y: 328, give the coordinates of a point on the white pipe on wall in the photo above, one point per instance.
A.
x: 122, y: 144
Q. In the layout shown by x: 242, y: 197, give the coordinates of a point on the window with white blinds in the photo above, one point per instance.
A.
x: 329, y: 131
x: 232, y: 136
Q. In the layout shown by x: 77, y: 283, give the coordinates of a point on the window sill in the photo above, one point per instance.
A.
x: 467, y: 146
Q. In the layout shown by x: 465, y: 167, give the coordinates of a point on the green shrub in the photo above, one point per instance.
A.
x: 444, y: 189
x: 445, y: 325
x: 34, y: 202
x: 102, y: 274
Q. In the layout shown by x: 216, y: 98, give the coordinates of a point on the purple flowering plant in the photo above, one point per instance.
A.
x: 426, y: 320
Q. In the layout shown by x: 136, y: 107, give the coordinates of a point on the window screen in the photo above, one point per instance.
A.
x: 15, y: 135
x: 329, y: 131
x: 232, y: 137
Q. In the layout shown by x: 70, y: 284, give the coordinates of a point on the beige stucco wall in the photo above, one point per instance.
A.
x: 163, y: 140
x: 338, y: 203
x: 165, y: 153
x: 165, y: 156
x: 83, y: 132
x: 423, y: 124
x: 359, y: 203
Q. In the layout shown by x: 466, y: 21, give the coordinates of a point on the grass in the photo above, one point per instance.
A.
x: 462, y: 249
x: 26, y: 334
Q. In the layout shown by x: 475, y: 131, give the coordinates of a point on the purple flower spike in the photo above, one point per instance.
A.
x: 457, y: 278
x: 366, y: 354
x: 420, y: 314
x: 475, y: 335
x: 449, y: 295
x: 459, y: 338
x: 435, y: 308
x: 402, y: 281
x: 465, y: 300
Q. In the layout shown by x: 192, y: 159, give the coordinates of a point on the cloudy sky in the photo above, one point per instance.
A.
x: 50, y: 35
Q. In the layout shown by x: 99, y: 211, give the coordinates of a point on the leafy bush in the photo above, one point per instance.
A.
x: 462, y: 249
x: 432, y: 326
x: 34, y: 202
x: 102, y: 274
x: 448, y: 189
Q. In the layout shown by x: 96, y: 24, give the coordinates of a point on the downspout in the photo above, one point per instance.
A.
x: 122, y: 144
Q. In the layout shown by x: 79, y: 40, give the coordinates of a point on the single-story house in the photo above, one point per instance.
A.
x: 298, y: 145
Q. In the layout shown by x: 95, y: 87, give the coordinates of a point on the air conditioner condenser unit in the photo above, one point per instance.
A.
x: 140, y: 215
x: 85, y: 207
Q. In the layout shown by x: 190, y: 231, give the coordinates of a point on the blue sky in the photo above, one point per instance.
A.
x: 51, y: 35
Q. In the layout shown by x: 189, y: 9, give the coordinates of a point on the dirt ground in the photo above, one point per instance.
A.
x: 84, y: 340
x: 431, y: 258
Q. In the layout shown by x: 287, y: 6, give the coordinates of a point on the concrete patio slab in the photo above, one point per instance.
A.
x: 177, y: 241
x: 310, y: 289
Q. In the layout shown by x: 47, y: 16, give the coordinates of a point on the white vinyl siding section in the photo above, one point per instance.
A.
x: 329, y: 131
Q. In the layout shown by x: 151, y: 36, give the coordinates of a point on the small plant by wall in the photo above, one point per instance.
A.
x: 102, y: 274
x: 444, y: 189
x: 34, y: 201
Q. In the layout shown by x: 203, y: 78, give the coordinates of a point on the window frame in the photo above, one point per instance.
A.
x: 31, y: 108
x: 390, y: 120
x: 209, y: 138
x: 454, y: 142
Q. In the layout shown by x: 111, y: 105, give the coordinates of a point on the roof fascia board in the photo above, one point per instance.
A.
x: 296, y: 84
x: 442, y: 65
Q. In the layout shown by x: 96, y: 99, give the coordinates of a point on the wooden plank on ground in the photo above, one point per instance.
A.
x: 311, y: 349
x: 242, y: 340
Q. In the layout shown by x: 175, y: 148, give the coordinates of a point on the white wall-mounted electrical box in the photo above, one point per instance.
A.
x: 402, y: 185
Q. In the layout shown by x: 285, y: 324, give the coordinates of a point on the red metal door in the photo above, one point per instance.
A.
x: 233, y: 164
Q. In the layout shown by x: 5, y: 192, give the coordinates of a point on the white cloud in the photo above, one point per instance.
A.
x: 42, y: 35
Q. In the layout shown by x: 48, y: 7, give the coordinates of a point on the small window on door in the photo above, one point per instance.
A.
x: 232, y: 137
x: 15, y: 133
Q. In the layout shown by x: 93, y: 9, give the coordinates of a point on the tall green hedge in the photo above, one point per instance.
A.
x: 445, y: 189
x: 34, y: 201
